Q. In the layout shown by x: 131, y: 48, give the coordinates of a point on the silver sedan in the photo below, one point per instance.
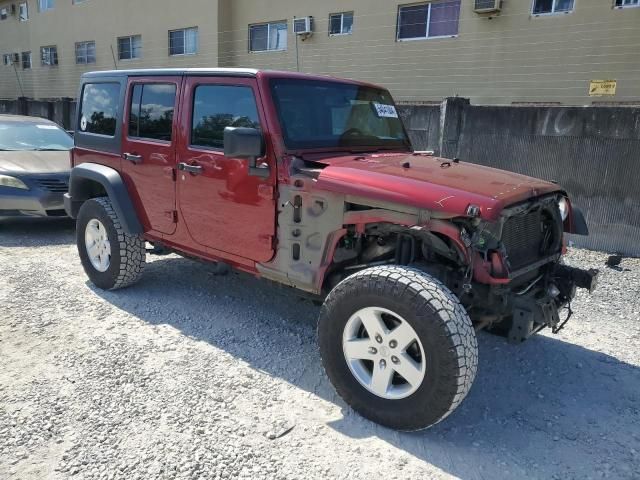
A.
x: 35, y: 163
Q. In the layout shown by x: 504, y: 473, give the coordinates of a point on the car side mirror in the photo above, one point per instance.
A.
x: 241, y: 142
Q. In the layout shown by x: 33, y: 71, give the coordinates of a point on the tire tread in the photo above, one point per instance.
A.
x: 131, y: 247
x: 422, y: 291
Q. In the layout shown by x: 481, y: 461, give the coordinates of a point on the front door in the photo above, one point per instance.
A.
x: 223, y: 205
x: 149, y: 156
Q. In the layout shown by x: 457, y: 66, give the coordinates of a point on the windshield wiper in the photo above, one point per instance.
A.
x: 48, y: 150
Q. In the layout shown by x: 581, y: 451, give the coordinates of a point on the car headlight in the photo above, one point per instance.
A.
x: 563, y: 205
x: 7, y: 181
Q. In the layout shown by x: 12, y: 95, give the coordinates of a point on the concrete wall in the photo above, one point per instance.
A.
x: 61, y: 111
x: 593, y: 152
x: 513, y: 57
x: 422, y: 123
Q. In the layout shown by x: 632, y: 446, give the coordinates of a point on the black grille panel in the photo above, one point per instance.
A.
x: 522, y: 237
x: 55, y: 185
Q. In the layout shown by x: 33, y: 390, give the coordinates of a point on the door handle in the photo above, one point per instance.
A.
x: 195, y: 169
x: 133, y: 158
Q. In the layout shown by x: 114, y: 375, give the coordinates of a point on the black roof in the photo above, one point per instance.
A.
x: 147, y: 72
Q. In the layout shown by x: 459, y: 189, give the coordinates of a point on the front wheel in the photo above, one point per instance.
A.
x: 111, y: 258
x: 398, y: 346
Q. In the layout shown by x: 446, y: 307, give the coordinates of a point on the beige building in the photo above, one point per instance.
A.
x: 546, y: 51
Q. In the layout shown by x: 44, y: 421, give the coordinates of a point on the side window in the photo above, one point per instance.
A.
x: 151, y: 111
x: 218, y: 106
x: 99, y: 108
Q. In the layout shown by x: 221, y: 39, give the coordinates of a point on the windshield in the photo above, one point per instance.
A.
x: 33, y: 136
x: 317, y: 114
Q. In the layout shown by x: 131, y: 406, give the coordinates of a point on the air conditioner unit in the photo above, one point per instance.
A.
x: 303, y: 25
x: 487, y: 6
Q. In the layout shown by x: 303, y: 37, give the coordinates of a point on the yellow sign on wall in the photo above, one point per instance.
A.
x: 602, y: 87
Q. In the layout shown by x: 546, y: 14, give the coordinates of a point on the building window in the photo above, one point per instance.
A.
x: 151, y: 111
x: 218, y: 106
x: 26, y: 60
x: 49, y: 56
x: 627, y: 3
x: 183, y: 42
x: 44, y: 5
x: 99, y: 109
x: 543, y: 7
x: 6, y: 59
x: 129, y: 47
x: 341, y: 23
x: 23, y: 12
x: 4, y: 13
x: 428, y: 20
x: 75, y: 2
x: 85, y: 52
x: 268, y: 37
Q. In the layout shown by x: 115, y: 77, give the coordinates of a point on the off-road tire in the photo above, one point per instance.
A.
x: 442, y: 325
x: 128, y: 252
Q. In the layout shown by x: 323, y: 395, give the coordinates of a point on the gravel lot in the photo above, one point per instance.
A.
x: 192, y: 375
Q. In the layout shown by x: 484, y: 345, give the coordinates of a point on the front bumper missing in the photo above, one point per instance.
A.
x: 587, y: 279
x: 540, y: 309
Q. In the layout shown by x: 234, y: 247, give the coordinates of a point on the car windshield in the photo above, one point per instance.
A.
x: 33, y: 135
x: 325, y: 114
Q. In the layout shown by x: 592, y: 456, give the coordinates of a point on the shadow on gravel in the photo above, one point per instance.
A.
x: 36, y: 232
x: 544, y: 407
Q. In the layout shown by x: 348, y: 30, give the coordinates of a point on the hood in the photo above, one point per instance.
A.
x: 35, y: 162
x: 432, y: 183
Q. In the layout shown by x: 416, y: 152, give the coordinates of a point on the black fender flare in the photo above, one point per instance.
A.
x: 578, y: 224
x: 80, y: 190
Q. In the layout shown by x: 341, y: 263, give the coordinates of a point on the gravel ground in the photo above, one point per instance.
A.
x: 192, y: 375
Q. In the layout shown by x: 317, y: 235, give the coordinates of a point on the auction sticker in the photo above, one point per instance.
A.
x: 385, y: 111
x: 83, y: 123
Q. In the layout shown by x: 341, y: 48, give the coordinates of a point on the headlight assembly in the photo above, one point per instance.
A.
x: 7, y: 181
x: 563, y: 205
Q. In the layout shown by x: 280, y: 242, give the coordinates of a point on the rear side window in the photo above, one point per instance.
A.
x: 99, y: 109
x: 218, y: 106
x: 151, y: 111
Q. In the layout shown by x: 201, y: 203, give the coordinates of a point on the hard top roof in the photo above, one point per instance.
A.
x: 243, y: 72
x: 223, y: 72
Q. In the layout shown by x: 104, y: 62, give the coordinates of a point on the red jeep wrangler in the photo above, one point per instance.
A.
x: 312, y: 182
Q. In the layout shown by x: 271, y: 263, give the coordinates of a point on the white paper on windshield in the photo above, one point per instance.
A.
x: 47, y: 127
x: 385, y: 111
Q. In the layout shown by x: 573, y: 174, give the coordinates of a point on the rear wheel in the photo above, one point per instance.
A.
x: 111, y: 258
x: 398, y: 346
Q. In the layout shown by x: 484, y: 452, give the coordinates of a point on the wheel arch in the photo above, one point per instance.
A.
x: 438, y: 235
x: 90, y: 180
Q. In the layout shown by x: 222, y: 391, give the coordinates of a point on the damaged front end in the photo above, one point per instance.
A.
x: 520, y: 285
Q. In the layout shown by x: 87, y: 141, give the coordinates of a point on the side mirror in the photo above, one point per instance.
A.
x: 240, y: 142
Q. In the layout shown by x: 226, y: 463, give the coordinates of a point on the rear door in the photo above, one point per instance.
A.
x: 223, y: 205
x: 148, y: 149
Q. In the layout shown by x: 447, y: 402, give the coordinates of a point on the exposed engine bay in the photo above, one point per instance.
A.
x: 507, y: 274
